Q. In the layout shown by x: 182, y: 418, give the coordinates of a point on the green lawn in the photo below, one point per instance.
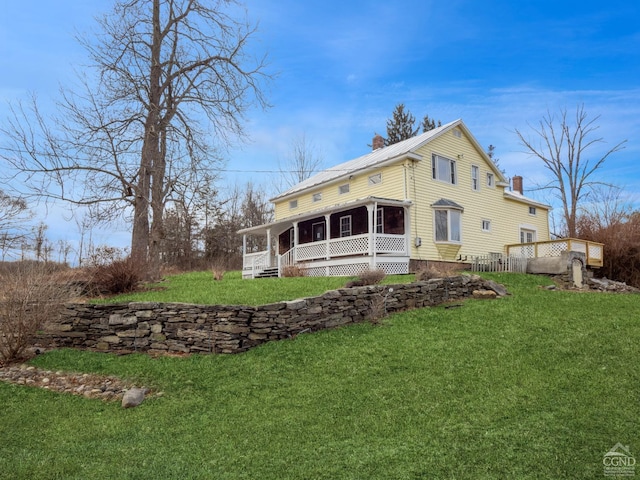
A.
x: 199, y: 287
x: 537, y: 385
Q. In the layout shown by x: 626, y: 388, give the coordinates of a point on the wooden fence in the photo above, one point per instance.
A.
x: 498, y: 262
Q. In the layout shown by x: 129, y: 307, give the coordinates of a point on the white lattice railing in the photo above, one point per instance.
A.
x: 344, y: 247
x: 553, y: 248
x: 390, y: 244
x: 311, y: 251
x: 354, y: 245
x: 254, y: 263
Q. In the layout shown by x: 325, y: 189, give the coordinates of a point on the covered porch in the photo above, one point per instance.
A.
x: 342, y: 240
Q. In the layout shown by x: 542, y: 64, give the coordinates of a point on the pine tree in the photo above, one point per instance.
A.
x: 429, y: 124
x: 401, y: 126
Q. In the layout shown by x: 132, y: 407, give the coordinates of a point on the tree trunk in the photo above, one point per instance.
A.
x: 151, y: 165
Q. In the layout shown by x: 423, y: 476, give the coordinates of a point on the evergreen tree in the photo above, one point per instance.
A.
x: 401, y: 126
x: 429, y: 124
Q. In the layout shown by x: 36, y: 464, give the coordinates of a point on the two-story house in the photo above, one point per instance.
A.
x: 434, y: 197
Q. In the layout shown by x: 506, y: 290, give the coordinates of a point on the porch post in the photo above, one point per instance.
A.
x: 371, y: 211
x: 407, y: 231
x: 269, y: 245
x: 295, y: 243
x: 244, y: 255
x: 327, y: 221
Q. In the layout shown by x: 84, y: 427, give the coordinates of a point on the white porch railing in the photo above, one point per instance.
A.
x: 333, y: 250
x: 390, y: 243
x: 553, y: 248
x: 254, y: 263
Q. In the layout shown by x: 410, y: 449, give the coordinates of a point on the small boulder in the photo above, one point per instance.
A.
x: 484, y: 294
x: 133, y: 397
x: 500, y: 290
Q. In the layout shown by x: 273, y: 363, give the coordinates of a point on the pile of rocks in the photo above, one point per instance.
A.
x: 606, y: 285
x: 87, y: 385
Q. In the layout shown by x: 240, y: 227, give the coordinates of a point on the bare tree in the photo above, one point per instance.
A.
x: 303, y: 160
x: 172, y: 79
x: 13, y: 215
x: 564, y: 147
x: 608, y: 217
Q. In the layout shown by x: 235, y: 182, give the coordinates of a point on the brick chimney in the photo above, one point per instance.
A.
x: 517, y: 184
x: 378, y: 141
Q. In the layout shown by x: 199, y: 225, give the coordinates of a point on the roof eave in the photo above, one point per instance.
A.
x: 405, y: 156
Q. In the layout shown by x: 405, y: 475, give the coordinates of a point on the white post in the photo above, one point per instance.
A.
x: 407, y: 231
x: 269, y: 245
x: 244, y: 252
x: 295, y: 242
x: 327, y: 228
x: 371, y: 211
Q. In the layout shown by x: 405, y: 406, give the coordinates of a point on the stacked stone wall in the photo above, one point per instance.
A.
x: 178, y: 327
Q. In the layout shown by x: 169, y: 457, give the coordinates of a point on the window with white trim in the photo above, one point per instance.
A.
x: 316, y: 197
x: 448, y: 225
x: 475, y: 177
x: 375, y: 179
x: 380, y: 220
x: 443, y: 169
x: 293, y: 204
x: 486, y: 225
x: 532, y: 210
x: 342, y: 189
x: 490, y: 180
x: 345, y: 226
x: 527, y: 236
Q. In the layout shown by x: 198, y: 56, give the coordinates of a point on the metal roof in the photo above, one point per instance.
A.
x: 371, y: 159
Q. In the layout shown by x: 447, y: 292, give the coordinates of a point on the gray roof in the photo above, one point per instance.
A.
x: 443, y: 202
x: 370, y: 160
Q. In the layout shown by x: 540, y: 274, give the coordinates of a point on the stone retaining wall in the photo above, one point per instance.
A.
x: 177, y: 327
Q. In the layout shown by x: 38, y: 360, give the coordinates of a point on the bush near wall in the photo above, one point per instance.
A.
x: 177, y: 327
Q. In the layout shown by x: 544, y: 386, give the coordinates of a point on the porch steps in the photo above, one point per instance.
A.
x: 270, y: 272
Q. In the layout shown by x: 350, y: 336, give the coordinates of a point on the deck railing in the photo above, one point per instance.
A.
x: 553, y: 248
x: 354, y: 245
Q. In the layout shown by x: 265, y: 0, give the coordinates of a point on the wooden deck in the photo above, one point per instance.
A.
x: 553, y: 248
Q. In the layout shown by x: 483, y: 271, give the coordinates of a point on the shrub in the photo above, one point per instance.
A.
x: 293, y: 271
x: 440, y: 270
x: 218, y: 272
x: 372, y: 277
x: 119, y: 276
x: 29, y: 296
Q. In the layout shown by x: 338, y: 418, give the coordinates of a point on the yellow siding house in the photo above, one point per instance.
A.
x: 434, y: 197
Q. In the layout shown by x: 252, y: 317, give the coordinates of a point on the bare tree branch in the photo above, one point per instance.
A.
x: 563, y: 146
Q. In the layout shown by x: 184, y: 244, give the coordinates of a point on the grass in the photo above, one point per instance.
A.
x: 537, y: 385
x: 200, y: 288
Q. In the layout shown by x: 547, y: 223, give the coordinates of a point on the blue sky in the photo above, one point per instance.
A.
x: 342, y: 66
